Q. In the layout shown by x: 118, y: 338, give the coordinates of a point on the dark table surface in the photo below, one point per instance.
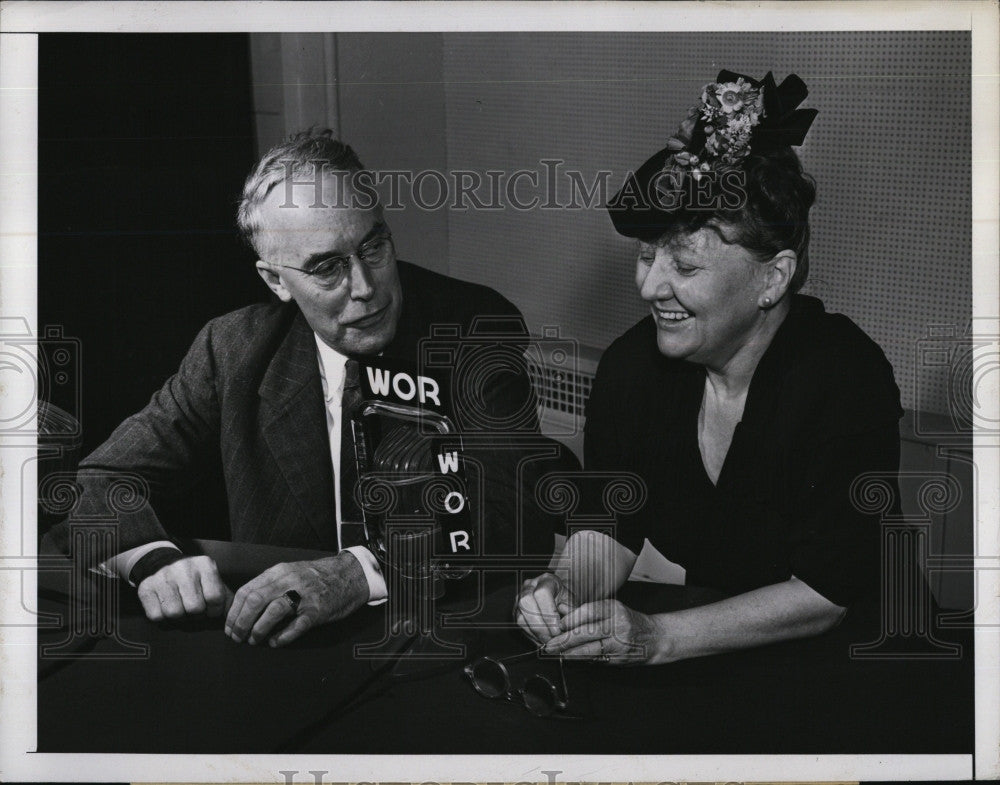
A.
x: 138, y: 687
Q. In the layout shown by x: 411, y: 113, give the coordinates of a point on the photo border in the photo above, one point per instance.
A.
x: 21, y: 21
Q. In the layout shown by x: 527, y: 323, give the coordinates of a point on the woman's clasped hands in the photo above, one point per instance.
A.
x: 604, y: 630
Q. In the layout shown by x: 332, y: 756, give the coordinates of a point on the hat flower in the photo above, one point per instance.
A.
x: 728, y: 113
x: 730, y: 96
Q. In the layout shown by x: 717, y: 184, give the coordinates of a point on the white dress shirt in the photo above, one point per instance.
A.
x: 331, y: 374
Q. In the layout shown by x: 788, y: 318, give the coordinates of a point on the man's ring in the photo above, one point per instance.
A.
x: 294, y: 598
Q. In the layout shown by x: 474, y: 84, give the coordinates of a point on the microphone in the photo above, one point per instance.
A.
x: 412, y: 488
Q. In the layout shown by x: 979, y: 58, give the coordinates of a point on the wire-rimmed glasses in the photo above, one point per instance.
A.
x: 491, y: 678
x: 332, y: 270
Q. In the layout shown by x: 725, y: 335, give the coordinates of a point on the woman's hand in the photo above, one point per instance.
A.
x: 607, y: 631
x: 543, y: 601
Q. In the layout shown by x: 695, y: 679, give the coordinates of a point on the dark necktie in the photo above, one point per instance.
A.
x: 352, y: 527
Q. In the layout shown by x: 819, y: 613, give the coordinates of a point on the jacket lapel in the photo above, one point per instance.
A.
x: 294, y: 425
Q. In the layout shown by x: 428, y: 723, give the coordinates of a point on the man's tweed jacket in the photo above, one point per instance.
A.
x: 248, y: 398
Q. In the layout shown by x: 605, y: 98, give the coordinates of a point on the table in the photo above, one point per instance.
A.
x: 196, y: 691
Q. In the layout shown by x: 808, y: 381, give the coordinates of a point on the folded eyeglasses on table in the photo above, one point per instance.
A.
x: 539, y: 694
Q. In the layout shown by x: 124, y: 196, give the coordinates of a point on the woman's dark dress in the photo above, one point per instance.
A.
x: 822, y: 410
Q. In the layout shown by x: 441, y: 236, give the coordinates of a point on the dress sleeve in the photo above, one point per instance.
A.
x: 836, y: 546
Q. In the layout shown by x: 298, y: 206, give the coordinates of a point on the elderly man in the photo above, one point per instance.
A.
x: 260, y: 392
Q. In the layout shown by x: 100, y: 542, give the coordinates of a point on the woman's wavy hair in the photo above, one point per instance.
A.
x: 773, y: 214
x: 300, y: 155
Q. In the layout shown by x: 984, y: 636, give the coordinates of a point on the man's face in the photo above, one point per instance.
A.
x: 359, y: 314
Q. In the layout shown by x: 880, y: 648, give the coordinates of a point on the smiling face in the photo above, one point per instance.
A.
x: 360, y: 313
x: 705, y: 296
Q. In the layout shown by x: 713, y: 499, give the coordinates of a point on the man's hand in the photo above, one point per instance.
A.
x: 187, y: 587
x: 330, y: 589
x: 540, y: 605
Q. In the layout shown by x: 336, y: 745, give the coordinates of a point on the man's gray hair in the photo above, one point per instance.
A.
x: 300, y: 155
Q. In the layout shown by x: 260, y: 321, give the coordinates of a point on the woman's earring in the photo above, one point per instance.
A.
x: 766, y: 302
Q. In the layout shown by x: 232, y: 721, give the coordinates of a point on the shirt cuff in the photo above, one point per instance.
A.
x: 120, y: 566
x: 377, y: 591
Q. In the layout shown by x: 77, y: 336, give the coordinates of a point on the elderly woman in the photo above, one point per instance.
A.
x: 746, y: 408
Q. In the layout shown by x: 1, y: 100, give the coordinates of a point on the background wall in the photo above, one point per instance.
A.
x: 143, y: 142
x: 890, y: 151
x: 143, y: 145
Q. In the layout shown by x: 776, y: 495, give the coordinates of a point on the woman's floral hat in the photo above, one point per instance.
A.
x: 737, y: 116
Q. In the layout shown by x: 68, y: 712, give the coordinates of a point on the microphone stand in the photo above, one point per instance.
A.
x: 414, y: 586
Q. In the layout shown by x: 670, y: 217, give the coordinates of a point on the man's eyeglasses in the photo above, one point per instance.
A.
x: 332, y: 270
x: 491, y: 679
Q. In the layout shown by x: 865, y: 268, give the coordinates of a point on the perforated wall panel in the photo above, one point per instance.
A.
x: 890, y: 151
